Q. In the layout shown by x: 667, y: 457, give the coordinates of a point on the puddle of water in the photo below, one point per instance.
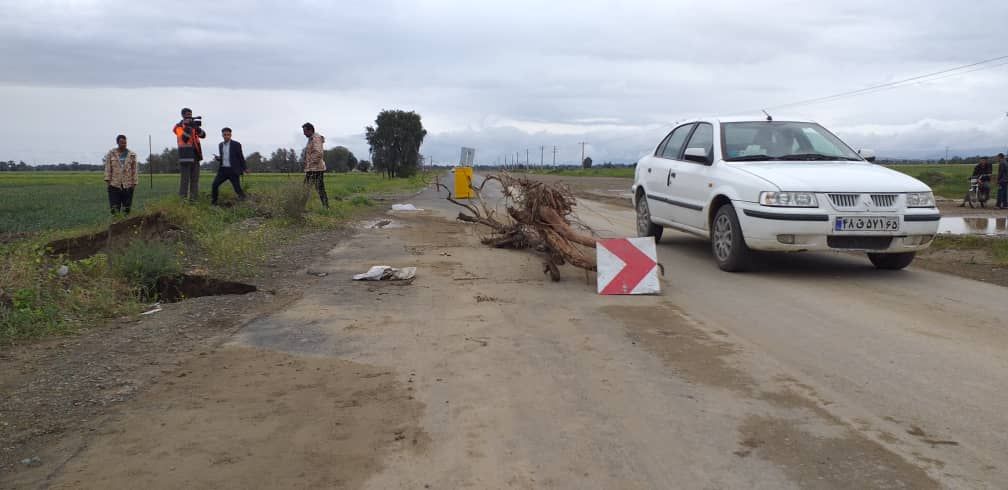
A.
x: 974, y: 225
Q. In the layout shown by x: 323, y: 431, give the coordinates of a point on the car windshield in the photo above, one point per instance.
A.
x: 789, y: 141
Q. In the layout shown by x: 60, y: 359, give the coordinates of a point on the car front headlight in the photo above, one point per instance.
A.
x: 920, y: 200
x: 789, y: 199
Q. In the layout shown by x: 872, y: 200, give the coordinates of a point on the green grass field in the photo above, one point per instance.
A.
x: 949, y: 181
x: 627, y: 172
x: 35, y: 301
x: 42, y: 201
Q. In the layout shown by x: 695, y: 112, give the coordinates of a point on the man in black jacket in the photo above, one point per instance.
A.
x: 231, y: 166
x: 1002, y: 180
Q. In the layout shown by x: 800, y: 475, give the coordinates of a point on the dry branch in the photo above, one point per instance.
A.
x: 538, y: 217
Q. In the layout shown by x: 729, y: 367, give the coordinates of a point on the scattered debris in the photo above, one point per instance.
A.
x: 480, y: 298
x: 156, y: 307
x: 317, y: 273
x: 386, y: 273
x: 405, y: 207
x: 33, y: 461
x: 62, y: 271
x: 539, y: 217
x: 379, y: 224
x: 484, y: 341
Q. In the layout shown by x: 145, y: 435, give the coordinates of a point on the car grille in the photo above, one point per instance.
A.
x: 859, y: 242
x: 852, y: 200
x: 844, y: 200
x: 884, y: 200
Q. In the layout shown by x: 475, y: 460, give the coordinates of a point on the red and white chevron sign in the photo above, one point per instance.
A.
x: 627, y: 266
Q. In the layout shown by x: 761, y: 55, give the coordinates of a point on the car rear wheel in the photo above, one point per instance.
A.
x: 729, y: 247
x: 645, y: 227
x: 891, y: 261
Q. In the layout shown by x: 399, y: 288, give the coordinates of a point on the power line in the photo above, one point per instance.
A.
x: 947, y: 72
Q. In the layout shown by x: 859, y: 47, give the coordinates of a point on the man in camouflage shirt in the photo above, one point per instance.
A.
x: 120, y: 176
x: 314, y: 165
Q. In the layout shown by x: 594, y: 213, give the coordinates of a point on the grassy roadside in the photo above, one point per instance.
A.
x: 995, y: 247
x: 624, y: 172
x: 41, y: 295
x: 949, y: 181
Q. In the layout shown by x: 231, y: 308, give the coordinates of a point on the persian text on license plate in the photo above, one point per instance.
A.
x: 866, y: 223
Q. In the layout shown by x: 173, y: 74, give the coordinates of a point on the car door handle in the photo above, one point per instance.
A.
x: 648, y: 170
x: 668, y: 180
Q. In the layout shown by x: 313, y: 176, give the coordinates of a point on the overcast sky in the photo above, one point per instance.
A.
x: 498, y: 76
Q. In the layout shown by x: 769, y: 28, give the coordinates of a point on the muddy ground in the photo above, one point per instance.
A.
x: 65, y: 387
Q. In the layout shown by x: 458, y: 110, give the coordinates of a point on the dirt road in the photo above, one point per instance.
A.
x: 811, y: 372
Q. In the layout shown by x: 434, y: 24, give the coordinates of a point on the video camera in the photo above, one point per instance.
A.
x: 195, y: 122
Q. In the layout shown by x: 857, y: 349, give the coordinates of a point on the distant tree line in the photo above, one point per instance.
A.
x: 394, y: 142
x: 10, y: 166
x: 973, y: 160
x: 338, y: 159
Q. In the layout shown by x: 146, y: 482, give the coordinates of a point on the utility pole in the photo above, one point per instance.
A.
x: 526, y: 157
x: 582, y: 152
x: 150, y: 159
x: 554, y: 155
x: 541, y: 150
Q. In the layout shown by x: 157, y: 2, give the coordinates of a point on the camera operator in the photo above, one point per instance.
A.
x: 188, y: 132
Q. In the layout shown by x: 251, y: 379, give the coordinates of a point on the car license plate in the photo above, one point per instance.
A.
x: 874, y: 224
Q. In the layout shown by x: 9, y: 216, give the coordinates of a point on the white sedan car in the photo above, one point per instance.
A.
x: 780, y: 186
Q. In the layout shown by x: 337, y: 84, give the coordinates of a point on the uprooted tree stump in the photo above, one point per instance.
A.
x: 539, y: 217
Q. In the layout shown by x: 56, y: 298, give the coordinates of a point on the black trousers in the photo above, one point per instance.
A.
x: 120, y: 199
x: 317, y: 179
x: 226, y: 174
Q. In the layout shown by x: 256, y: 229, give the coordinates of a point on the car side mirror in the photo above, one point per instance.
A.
x: 698, y: 155
x: 868, y: 155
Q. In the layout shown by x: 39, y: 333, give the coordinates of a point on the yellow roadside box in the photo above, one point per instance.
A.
x: 463, y: 179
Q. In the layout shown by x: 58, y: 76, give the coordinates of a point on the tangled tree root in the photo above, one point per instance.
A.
x: 538, y: 217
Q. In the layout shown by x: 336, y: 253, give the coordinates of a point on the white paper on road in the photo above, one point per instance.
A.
x: 405, y: 207
x: 386, y: 273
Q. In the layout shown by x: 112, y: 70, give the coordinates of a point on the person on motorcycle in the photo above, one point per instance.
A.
x: 982, y: 173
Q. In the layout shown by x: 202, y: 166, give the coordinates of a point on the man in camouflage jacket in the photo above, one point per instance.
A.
x: 120, y: 176
x: 314, y: 165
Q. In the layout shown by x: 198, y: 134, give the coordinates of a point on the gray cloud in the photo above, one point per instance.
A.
x: 557, y: 73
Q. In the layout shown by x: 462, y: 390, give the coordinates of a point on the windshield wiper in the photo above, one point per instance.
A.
x: 812, y: 156
x: 750, y: 158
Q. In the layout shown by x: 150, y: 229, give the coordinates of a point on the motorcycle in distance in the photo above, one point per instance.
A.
x: 979, y: 191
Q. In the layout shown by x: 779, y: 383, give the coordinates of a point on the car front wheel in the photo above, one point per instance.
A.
x: 729, y: 247
x: 891, y: 261
x: 646, y: 227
